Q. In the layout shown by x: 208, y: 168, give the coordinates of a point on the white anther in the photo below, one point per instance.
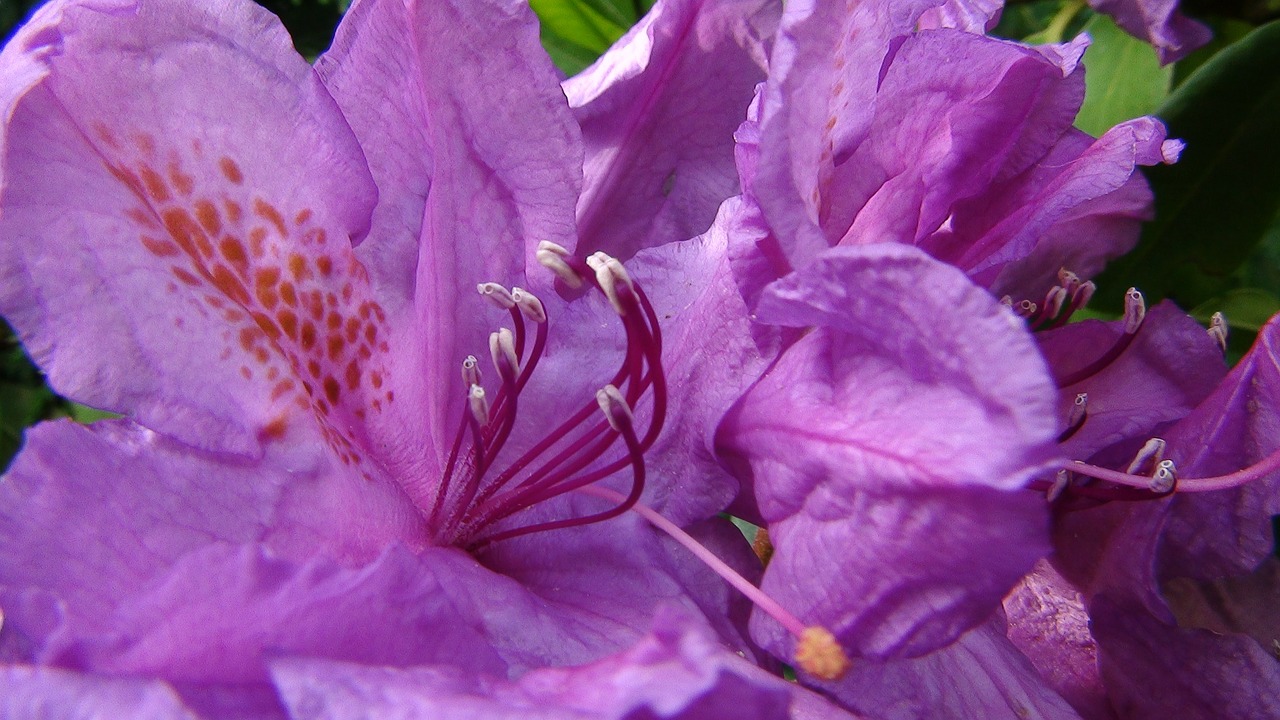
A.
x: 615, y: 408
x: 553, y: 257
x: 1135, y: 309
x: 1218, y: 330
x: 1007, y: 301
x: 1060, y: 483
x: 1083, y: 294
x: 1150, y: 455
x: 496, y: 294
x: 1165, y: 477
x: 470, y: 371
x: 1053, y: 300
x: 502, y: 348
x: 610, y: 274
x: 479, y: 405
x: 1025, y: 308
x: 1078, y: 410
x: 1068, y: 280
x: 529, y: 304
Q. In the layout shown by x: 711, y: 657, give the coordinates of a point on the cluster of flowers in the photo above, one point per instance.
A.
x: 320, y: 503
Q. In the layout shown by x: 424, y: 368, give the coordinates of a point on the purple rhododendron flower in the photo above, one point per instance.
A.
x: 271, y: 270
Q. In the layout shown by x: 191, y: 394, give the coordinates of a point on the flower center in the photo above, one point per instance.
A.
x: 598, y: 440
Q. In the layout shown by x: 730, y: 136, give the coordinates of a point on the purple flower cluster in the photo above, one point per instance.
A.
x: 813, y: 268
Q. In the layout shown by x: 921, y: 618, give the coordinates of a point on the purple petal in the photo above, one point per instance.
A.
x: 981, y: 675
x: 1228, y: 532
x: 91, y: 514
x: 676, y: 672
x: 658, y: 112
x: 49, y: 694
x: 1049, y: 624
x: 470, y: 181
x: 1199, y: 674
x: 177, y: 223
x: 1244, y: 604
x: 889, y: 448
x: 1159, y: 22
x: 1171, y: 366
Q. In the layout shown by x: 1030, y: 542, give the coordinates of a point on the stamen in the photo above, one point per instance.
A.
x: 496, y: 294
x: 557, y: 259
x: 1164, y: 478
x: 611, y: 276
x: 616, y: 411
x: 1218, y: 330
x: 502, y: 350
x: 1258, y: 470
x: 1060, y: 483
x: 1075, y: 421
x: 479, y: 405
x: 816, y: 650
x: 1068, y: 280
x: 529, y: 305
x: 1053, y: 301
x: 1135, y: 311
x: 470, y: 371
x: 1150, y: 455
x: 1025, y: 309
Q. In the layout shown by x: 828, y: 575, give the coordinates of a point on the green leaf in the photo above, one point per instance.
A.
x: 576, y: 32
x: 1214, y: 206
x: 1123, y: 78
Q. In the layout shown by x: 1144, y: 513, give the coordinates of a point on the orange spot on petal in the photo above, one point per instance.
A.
x: 231, y: 170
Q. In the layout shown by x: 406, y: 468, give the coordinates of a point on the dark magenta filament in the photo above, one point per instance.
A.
x: 476, y: 496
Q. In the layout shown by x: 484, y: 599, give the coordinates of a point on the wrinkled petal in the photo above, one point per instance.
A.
x: 1049, y: 624
x: 888, y: 451
x: 179, y: 182
x: 1159, y: 22
x: 91, y: 514
x: 1244, y: 604
x: 981, y: 675
x: 1228, y: 532
x: 1198, y: 674
x: 675, y: 672
x: 470, y: 181
x: 658, y: 112
x: 976, y: 16
x: 49, y: 694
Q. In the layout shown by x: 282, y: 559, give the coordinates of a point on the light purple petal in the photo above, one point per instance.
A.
x: 90, y: 514
x: 1160, y: 23
x: 676, y: 672
x: 980, y: 675
x: 976, y: 16
x: 658, y: 112
x: 180, y: 194
x: 48, y: 694
x: 470, y: 180
x: 889, y: 447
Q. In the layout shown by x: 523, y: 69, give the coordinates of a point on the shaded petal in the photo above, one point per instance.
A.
x: 944, y: 130
x: 91, y: 514
x: 1159, y: 22
x: 49, y: 694
x: 1170, y: 367
x: 888, y: 450
x: 470, y: 181
x: 1199, y: 674
x: 981, y: 675
x: 179, y: 198
x: 1049, y: 624
x: 658, y: 112
x: 1228, y: 532
x: 675, y: 672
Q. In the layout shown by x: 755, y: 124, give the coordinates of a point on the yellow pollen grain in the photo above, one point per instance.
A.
x: 818, y: 654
